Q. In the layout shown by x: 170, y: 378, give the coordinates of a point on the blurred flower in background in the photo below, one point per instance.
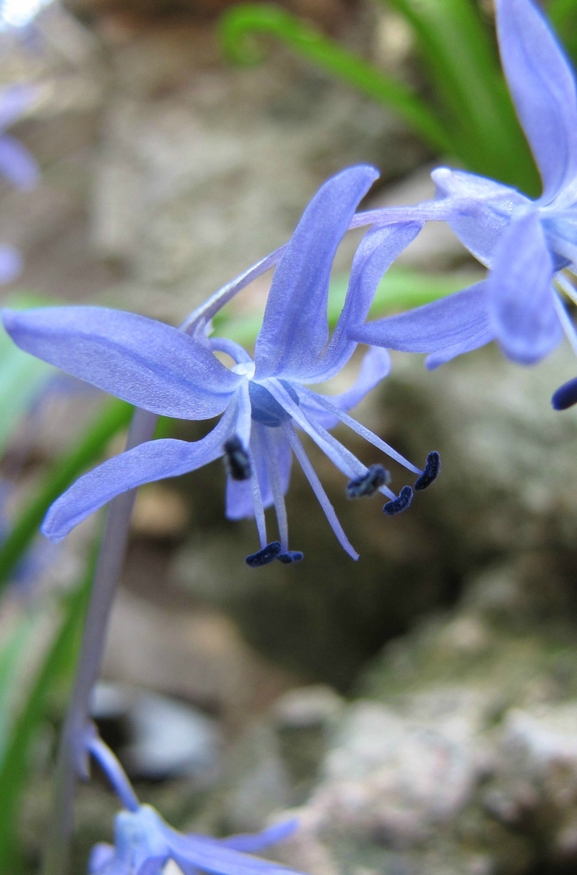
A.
x: 17, y: 164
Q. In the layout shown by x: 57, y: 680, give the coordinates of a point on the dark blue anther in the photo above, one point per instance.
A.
x: 266, y: 409
x: 431, y: 472
x: 236, y: 459
x: 369, y: 482
x: 399, y: 504
x: 264, y: 556
x: 565, y: 396
x: 290, y: 556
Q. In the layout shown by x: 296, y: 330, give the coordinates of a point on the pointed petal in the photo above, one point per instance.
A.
x: 17, y: 164
x: 10, y: 264
x: 375, y: 254
x: 481, y: 209
x: 250, y: 842
x: 146, y: 463
x: 374, y: 368
x: 484, y: 336
x: 543, y: 89
x: 457, y: 319
x: 145, y: 362
x: 295, y: 327
x: 218, y: 859
x: 520, y: 294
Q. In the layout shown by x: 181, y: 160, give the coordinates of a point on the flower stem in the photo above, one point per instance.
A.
x: 71, y: 756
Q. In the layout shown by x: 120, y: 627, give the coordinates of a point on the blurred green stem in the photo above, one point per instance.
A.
x: 71, y: 752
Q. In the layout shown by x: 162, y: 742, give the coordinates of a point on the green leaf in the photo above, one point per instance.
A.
x: 461, y: 56
x: 474, y: 119
x: 58, y: 666
x: 563, y: 16
x: 11, y: 662
x: 243, y: 20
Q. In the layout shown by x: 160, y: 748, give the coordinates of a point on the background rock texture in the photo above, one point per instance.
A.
x: 165, y: 173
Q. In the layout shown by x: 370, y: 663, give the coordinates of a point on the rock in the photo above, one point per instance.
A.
x: 157, y: 737
x: 459, y: 757
x: 196, y: 654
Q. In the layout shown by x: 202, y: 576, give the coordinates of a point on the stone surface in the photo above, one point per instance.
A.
x: 460, y: 756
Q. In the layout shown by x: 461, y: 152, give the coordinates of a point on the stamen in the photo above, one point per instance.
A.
x: 564, y: 318
x: 264, y: 556
x: 236, y: 459
x: 290, y: 556
x: 318, y: 490
x: 357, y: 427
x: 431, y: 472
x: 398, y: 505
x: 565, y: 396
x: 369, y: 482
x: 266, y: 439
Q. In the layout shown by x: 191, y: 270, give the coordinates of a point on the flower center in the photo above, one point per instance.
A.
x: 244, y: 369
x: 265, y: 408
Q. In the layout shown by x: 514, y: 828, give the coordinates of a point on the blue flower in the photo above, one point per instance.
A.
x: 145, y: 843
x: 176, y: 373
x: 16, y: 164
x: 525, y: 243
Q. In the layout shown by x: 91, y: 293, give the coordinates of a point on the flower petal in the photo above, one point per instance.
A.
x: 481, y: 209
x: 154, y: 460
x: 251, y: 842
x: 147, y: 363
x: 375, y: 367
x: 520, y: 295
x: 10, y: 264
x: 375, y: 254
x: 17, y: 164
x: 218, y: 859
x: 457, y: 319
x: 295, y: 329
x: 543, y: 89
x: 484, y: 336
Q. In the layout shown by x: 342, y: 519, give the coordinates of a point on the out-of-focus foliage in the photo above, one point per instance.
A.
x: 472, y: 117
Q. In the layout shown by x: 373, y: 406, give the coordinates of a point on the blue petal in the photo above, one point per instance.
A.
x: 481, y: 209
x: 295, y: 329
x: 100, y: 855
x: 460, y: 318
x: 250, y: 842
x: 10, y: 264
x: 154, y: 460
x: 543, y: 88
x: 145, y: 362
x: 375, y: 254
x: 17, y: 164
x: 218, y: 859
x: 374, y: 368
x: 484, y: 336
x: 520, y: 294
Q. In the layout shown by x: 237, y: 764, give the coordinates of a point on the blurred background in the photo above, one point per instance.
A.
x: 418, y: 707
